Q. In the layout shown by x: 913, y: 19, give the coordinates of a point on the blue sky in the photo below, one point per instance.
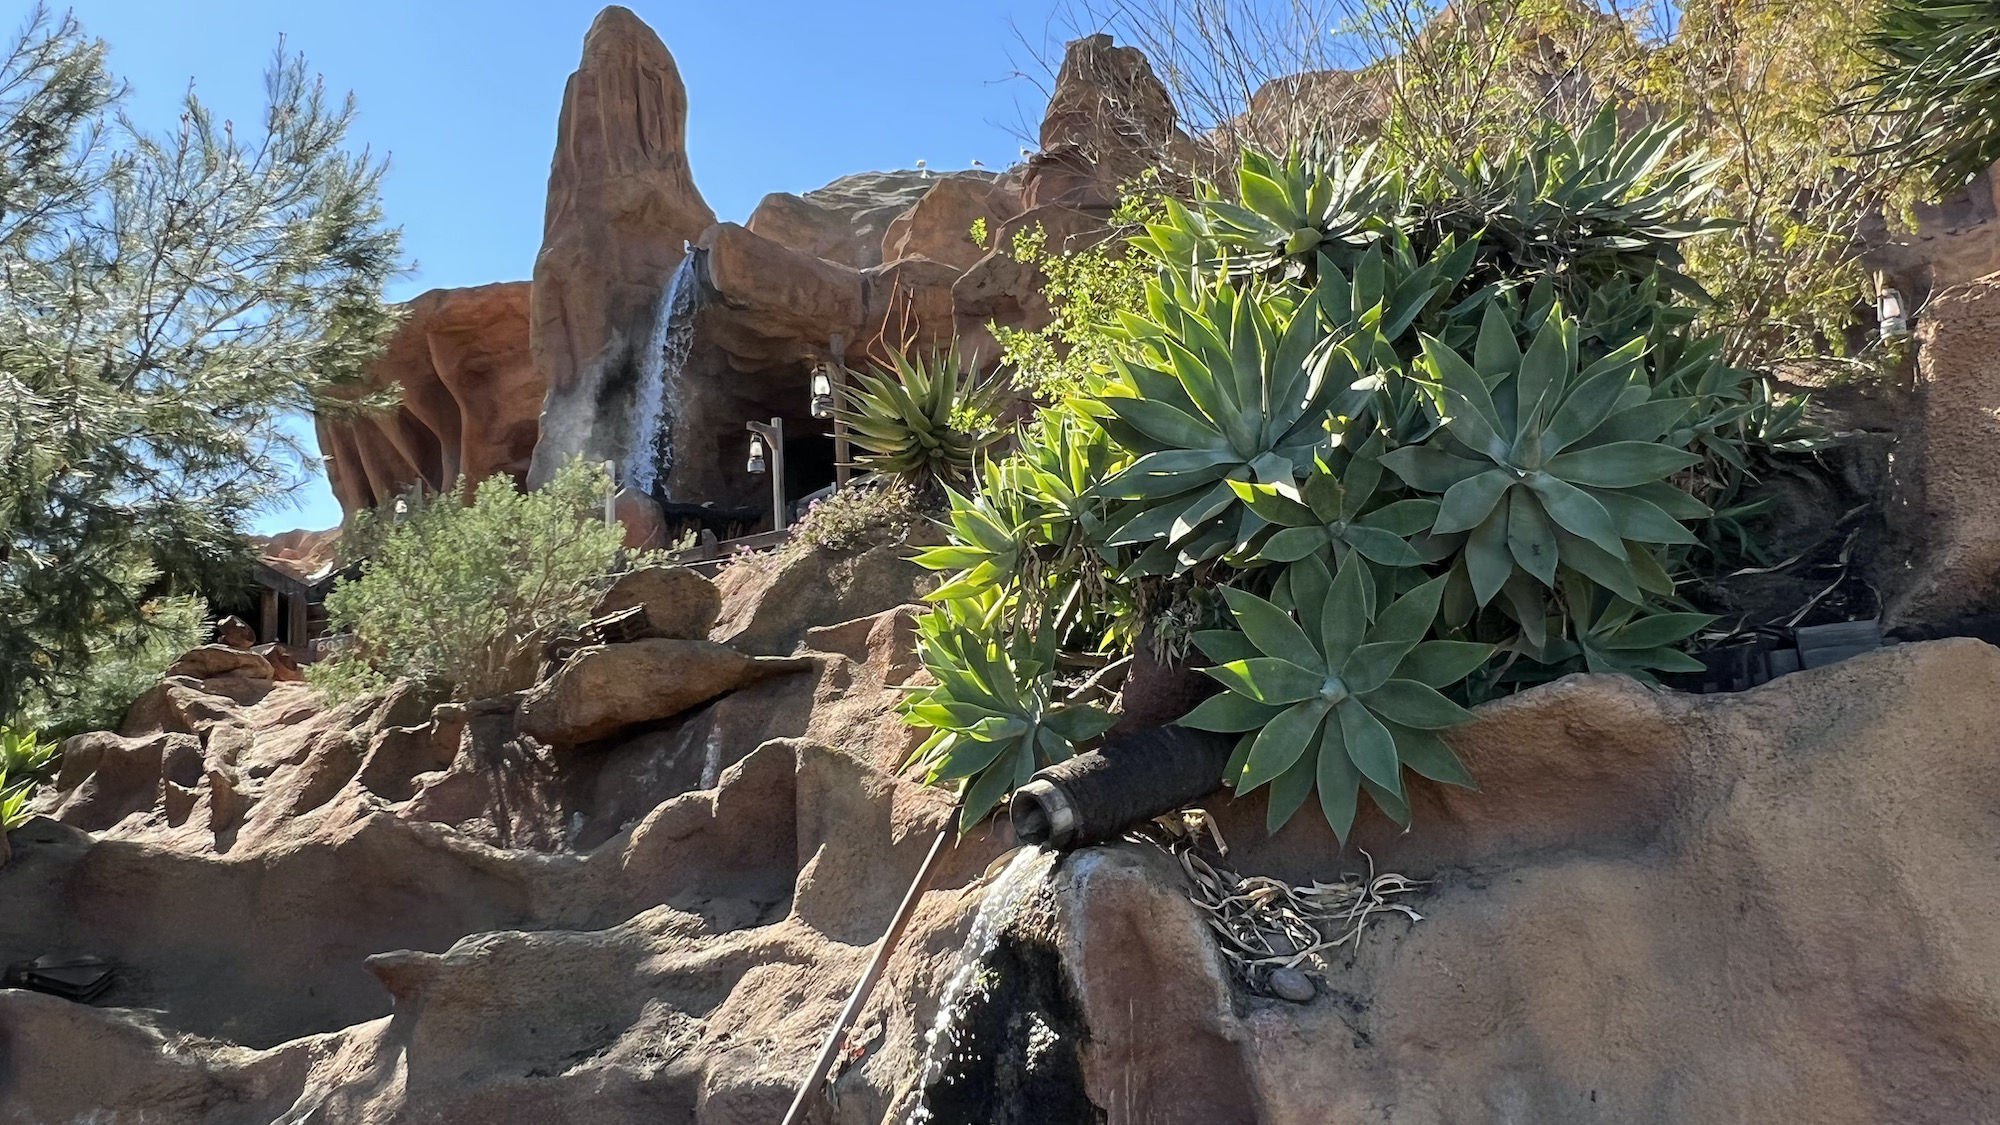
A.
x: 462, y: 95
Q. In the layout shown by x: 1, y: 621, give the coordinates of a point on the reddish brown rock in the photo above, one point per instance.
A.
x: 234, y: 632
x: 212, y: 661
x: 622, y: 205
x: 847, y: 221
x: 1108, y: 119
x: 469, y: 391
x: 605, y: 689
x: 939, y: 225
x: 679, y: 603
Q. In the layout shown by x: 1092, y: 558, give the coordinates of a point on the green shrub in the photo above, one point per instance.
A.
x: 1935, y: 70
x: 1426, y: 433
x: 463, y: 596
x: 866, y: 511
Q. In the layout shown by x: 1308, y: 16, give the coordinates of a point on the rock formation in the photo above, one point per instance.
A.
x: 1949, y: 506
x: 1770, y: 906
x: 622, y: 206
x: 469, y: 399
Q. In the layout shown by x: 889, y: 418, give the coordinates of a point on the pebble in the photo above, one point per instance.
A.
x: 1293, y: 985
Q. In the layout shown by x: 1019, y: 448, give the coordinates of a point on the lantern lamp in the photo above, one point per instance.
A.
x: 1894, y: 319
x: 822, y: 393
x: 756, y: 464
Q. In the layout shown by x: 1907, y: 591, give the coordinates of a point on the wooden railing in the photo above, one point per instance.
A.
x: 708, y: 555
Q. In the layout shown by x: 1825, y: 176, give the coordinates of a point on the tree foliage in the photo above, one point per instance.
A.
x: 463, y: 596
x: 1934, y: 71
x: 170, y: 297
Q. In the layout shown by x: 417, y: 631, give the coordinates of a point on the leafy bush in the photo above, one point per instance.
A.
x: 463, y: 596
x: 1428, y: 434
x: 870, y: 509
x: 924, y: 422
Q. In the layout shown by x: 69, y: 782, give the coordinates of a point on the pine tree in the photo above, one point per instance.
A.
x: 166, y: 301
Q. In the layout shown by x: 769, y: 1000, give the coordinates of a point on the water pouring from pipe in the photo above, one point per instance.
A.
x: 661, y: 364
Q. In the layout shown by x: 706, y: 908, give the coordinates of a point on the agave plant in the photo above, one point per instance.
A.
x: 1339, y: 513
x: 1287, y: 214
x: 13, y: 802
x: 1936, y: 69
x: 1335, y: 696
x: 1247, y: 387
x: 1587, y: 207
x: 1562, y: 467
x: 924, y: 422
x: 1034, y: 525
x: 993, y: 715
x: 24, y: 756
x: 1609, y: 634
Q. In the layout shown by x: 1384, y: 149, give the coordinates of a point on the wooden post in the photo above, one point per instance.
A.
x: 296, y: 604
x: 837, y: 367
x: 267, y: 618
x: 774, y: 439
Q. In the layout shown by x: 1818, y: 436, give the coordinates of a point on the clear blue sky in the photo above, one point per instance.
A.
x: 462, y: 95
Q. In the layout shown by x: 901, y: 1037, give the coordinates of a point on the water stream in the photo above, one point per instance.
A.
x: 658, y: 401
x: 1001, y: 902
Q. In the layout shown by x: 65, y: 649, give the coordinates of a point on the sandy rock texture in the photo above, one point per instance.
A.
x: 470, y: 399
x: 1950, y: 507
x: 1778, y: 906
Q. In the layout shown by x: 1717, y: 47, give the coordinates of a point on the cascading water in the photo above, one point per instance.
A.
x: 658, y: 402
x: 1025, y: 871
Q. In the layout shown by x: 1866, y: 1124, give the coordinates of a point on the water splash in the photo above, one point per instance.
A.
x: 652, y: 452
x: 999, y: 905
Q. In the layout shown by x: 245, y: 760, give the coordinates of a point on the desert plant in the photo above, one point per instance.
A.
x: 1934, y: 71
x: 1337, y: 695
x: 922, y: 421
x: 463, y: 596
x: 993, y: 711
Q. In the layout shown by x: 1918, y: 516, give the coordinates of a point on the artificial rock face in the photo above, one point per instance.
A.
x: 622, y: 206
x: 470, y: 396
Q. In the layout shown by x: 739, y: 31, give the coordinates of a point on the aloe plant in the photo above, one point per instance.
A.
x: 923, y: 421
x: 993, y: 713
x: 1562, y: 467
x: 1609, y: 634
x: 13, y: 802
x: 1335, y: 696
x: 1339, y: 513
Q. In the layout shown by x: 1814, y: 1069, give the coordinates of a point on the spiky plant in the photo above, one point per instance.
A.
x: 924, y: 421
x: 1936, y: 69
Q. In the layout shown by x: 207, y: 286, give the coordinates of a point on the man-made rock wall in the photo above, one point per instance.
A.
x: 1778, y: 905
x: 622, y: 206
x: 470, y: 397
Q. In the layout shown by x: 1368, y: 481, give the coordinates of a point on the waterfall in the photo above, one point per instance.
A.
x: 651, y: 454
x: 998, y: 905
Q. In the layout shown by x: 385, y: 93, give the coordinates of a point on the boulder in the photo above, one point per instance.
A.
x: 605, y: 689
x: 1647, y: 887
x: 468, y: 399
x: 769, y: 602
x: 1946, y: 503
x: 847, y: 221
x: 645, y: 527
x: 235, y: 632
x: 210, y: 662
x: 284, y: 668
x: 622, y: 206
x: 680, y: 604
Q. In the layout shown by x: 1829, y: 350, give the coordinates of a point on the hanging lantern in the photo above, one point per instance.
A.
x: 822, y: 393
x: 756, y: 464
x: 1895, y: 321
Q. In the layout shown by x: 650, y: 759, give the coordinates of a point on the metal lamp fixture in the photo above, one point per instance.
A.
x: 1894, y: 319
x: 822, y: 393
x: 756, y: 464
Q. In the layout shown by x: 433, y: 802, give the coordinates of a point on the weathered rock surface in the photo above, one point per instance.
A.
x: 470, y: 397
x: 771, y: 601
x: 605, y: 689
x: 1948, y: 504
x: 622, y: 205
x: 210, y: 661
x: 680, y: 604
x: 939, y: 224
x: 846, y: 221
x: 1653, y: 910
